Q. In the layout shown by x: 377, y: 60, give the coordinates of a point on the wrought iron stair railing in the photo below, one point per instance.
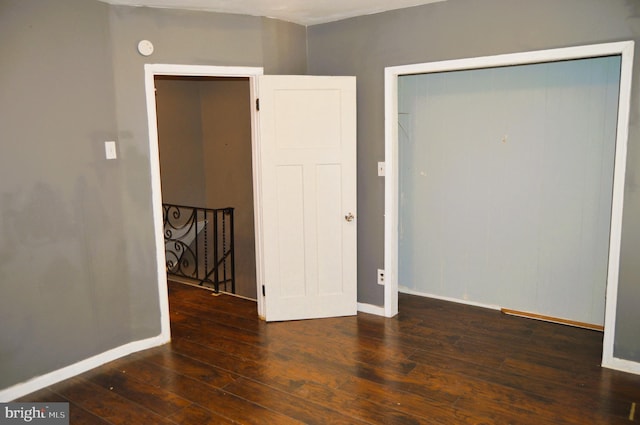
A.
x: 198, y: 245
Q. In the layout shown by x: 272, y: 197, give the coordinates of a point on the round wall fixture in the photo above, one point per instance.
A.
x: 145, y: 47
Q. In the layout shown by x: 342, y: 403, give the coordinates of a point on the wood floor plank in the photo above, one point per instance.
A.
x: 224, y: 344
x: 203, y: 317
x: 152, y: 397
x: 462, y: 386
x: 199, y: 392
x: 372, y: 351
x: 429, y: 406
x: 198, y: 415
x: 106, y: 404
x: 278, y: 370
x: 435, y: 363
x: 77, y: 415
x: 212, y: 398
x: 486, y: 353
x: 358, y: 405
x: 192, y: 368
x: 300, y: 408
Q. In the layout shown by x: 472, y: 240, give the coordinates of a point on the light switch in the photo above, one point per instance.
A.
x: 110, y: 149
x: 381, y: 169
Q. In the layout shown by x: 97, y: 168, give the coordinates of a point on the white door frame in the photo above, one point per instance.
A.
x: 625, y: 49
x: 150, y: 71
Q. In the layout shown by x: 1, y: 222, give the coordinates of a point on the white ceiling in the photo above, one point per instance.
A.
x: 304, y: 12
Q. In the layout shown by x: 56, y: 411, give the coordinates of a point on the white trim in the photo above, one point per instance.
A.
x: 623, y: 365
x: 619, y: 170
x: 406, y: 290
x: 150, y: 71
x: 391, y: 180
x: 156, y: 199
x: 51, y: 378
x: 623, y: 48
x: 256, y: 158
x: 371, y: 309
x: 203, y: 70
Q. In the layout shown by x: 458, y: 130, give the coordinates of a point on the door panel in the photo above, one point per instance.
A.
x: 293, y: 121
x: 290, y: 230
x: 329, y: 218
x: 308, y: 166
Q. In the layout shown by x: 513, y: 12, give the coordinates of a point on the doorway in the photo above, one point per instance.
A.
x: 334, y: 99
x: 204, y: 136
x: 151, y: 71
x: 625, y: 50
x: 505, y: 186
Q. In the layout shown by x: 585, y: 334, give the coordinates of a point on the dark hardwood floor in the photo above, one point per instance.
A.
x: 436, y: 363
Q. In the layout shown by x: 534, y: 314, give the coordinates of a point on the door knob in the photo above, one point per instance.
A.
x: 349, y: 217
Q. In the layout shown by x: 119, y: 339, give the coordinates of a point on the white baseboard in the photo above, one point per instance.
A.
x: 371, y: 309
x: 37, y: 383
x: 622, y: 365
x: 406, y: 290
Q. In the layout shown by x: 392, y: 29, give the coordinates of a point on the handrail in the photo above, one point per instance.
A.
x: 199, y: 245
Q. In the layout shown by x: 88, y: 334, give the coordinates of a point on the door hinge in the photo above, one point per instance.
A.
x: 257, y: 104
x: 263, y: 291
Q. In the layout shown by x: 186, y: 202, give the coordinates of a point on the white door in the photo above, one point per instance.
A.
x: 307, y: 129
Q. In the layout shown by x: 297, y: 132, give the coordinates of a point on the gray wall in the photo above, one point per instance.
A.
x: 180, y: 141
x: 285, y: 47
x: 364, y: 46
x: 226, y: 130
x: 77, y: 250
x: 64, y: 272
